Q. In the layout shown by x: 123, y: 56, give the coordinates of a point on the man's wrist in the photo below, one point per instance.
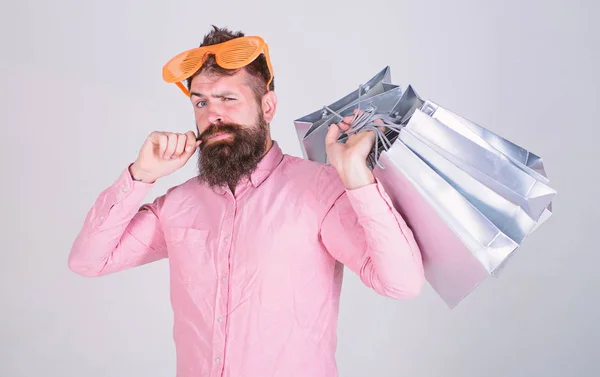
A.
x: 357, y: 175
x: 138, y: 174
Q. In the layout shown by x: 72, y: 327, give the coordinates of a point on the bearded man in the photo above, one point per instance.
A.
x: 258, y: 240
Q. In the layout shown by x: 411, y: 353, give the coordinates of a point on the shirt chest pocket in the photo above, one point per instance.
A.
x: 189, y: 255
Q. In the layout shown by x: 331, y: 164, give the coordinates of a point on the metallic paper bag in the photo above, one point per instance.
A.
x: 508, y: 217
x: 470, y: 196
x: 404, y: 109
x: 401, y: 112
x: 314, y: 142
x: 363, y: 94
x: 459, y: 245
x: 522, y: 158
x: 374, y: 86
x: 498, y: 173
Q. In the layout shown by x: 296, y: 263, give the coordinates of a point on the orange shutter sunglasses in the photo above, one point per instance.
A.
x: 233, y: 54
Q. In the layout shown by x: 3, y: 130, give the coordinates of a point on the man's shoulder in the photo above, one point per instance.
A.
x: 322, y: 176
x: 184, y: 189
x: 303, y: 164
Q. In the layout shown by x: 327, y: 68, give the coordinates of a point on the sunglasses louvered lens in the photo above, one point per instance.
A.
x: 238, y: 54
x: 183, y: 65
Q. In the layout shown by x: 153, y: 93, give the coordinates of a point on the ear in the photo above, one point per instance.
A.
x: 269, y: 105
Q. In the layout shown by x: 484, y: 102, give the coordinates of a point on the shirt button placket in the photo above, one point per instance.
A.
x: 222, y: 309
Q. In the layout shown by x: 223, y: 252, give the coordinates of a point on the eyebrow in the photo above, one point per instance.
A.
x: 221, y: 95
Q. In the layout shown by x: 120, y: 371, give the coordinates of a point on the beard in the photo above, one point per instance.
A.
x: 226, y: 161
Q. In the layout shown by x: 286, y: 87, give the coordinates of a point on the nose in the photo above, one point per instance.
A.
x: 214, y: 116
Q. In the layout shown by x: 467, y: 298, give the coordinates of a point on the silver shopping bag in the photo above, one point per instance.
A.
x: 314, y: 142
x: 465, y: 229
x: 492, y: 169
x: 375, y: 85
x: 312, y: 128
x: 470, y: 196
x: 508, y: 217
x: 399, y: 104
x: 521, y: 157
x: 459, y: 245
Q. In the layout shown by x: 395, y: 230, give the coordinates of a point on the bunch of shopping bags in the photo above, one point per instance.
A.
x: 470, y: 196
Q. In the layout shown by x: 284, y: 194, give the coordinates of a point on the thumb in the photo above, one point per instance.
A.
x: 332, y: 135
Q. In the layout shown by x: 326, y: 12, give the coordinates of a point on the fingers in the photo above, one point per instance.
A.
x: 174, y: 145
x: 190, y: 142
x: 190, y: 145
x: 348, y: 119
x: 163, y: 142
x: 180, y: 141
x: 171, y: 145
x: 344, y: 126
x: 362, y: 140
x: 332, y: 134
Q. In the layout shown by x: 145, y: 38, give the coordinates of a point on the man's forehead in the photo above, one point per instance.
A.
x: 207, y: 80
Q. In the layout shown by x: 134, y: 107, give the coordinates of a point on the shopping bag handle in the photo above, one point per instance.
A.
x: 367, y: 120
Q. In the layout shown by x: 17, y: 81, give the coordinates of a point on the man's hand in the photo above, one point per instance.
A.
x: 350, y: 158
x: 163, y: 153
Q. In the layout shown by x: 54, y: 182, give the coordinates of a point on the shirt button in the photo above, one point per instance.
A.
x: 227, y: 239
x: 218, y: 359
x: 224, y: 279
x: 124, y: 189
x: 101, y: 218
x: 220, y: 319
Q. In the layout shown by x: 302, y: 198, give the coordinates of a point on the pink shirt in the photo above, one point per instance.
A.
x: 255, y: 276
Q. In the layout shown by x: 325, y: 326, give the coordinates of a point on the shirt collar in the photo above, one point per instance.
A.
x: 264, y: 168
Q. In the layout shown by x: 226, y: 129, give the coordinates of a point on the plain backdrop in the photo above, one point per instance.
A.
x: 81, y: 88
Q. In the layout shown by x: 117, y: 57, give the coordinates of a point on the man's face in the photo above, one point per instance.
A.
x: 232, y: 126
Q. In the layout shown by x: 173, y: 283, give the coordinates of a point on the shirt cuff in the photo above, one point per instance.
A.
x: 370, y: 200
x: 125, y: 187
x: 125, y: 193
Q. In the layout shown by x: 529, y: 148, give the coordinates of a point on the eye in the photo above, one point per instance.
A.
x: 201, y: 104
x: 228, y: 99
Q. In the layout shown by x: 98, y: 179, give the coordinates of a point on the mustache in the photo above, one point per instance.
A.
x: 215, y: 128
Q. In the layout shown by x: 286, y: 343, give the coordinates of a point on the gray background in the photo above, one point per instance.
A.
x: 81, y: 88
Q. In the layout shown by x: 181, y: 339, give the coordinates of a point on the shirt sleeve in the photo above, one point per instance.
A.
x: 364, y: 231
x: 118, y: 231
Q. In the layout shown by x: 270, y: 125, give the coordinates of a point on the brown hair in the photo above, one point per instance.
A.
x: 258, y: 69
